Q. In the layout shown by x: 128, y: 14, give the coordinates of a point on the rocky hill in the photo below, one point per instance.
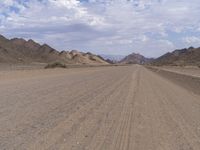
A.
x: 187, y: 56
x: 134, y: 59
x: 18, y: 50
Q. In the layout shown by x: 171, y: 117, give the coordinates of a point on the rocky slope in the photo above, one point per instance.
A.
x: 134, y: 59
x: 21, y: 51
x: 187, y: 56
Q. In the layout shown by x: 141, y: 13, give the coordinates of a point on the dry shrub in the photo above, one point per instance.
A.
x: 55, y: 65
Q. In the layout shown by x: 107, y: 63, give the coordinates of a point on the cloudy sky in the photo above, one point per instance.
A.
x: 120, y: 27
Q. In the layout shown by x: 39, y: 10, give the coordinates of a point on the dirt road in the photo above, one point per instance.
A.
x: 104, y: 108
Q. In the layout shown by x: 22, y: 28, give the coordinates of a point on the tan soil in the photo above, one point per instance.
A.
x: 103, y: 108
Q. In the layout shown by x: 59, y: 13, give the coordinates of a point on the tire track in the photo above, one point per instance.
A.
x: 121, y: 140
x: 88, y: 109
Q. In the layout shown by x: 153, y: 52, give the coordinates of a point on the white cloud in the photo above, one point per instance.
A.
x: 103, y: 26
x: 192, y: 40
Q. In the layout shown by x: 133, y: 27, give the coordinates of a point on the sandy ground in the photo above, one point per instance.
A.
x: 10, y: 67
x: 104, y: 108
x: 188, y: 70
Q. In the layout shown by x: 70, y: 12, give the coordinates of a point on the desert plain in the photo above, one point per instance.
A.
x: 99, y: 108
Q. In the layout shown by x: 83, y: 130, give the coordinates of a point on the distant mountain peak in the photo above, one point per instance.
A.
x: 134, y: 58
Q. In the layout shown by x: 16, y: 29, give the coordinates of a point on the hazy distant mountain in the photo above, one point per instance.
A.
x: 18, y: 50
x: 187, y: 56
x: 135, y: 59
x: 114, y: 58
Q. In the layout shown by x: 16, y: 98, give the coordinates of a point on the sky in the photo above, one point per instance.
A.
x: 117, y: 27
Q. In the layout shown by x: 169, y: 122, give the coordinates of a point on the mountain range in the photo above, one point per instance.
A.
x: 18, y: 50
x: 181, y: 57
x: 186, y: 56
x: 113, y: 58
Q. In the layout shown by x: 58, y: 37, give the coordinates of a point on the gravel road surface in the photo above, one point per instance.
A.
x: 103, y: 108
